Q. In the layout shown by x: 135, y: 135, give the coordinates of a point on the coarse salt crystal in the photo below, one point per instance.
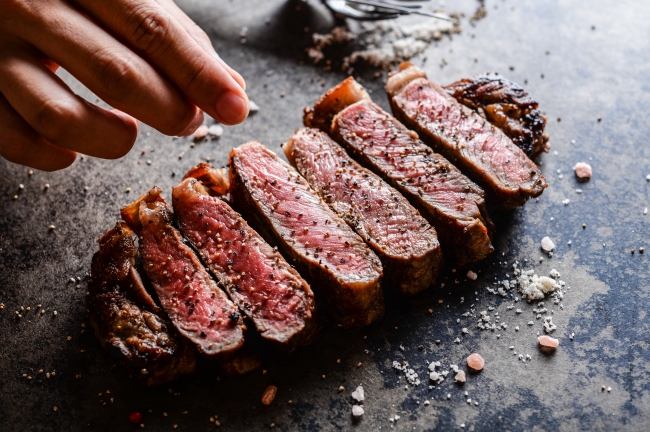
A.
x: 547, y: 244
x: 253, y: 107
x: 357, y: 411
x: 583, y: 171
x: 201, y: 132
x: 472, y: 275
x: 358, y: 394
x: 215, y: 131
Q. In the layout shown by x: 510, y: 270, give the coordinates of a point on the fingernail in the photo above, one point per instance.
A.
x: 196, y: 122
x: 232, y: 109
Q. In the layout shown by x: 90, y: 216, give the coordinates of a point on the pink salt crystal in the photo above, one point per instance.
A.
x: 201, y: 132
x: 460, y: 377
x: 547, y: 344
x: 583, y: 171
x: 475, y: 362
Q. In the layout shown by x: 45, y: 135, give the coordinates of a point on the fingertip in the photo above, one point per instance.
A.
x: 54, y: 159
x: 232, y: 108
x: 194, y: 125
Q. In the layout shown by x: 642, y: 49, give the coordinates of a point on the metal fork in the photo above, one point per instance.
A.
x: 374, y: 10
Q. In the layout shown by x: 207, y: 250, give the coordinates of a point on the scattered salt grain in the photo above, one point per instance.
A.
x: 475, y: 362
x: 460, y: 377
x: 547, y: 244
x: 357, y: 411
x: 358, y: 395
x: 547, y: 344
x: 583, y: 171
x: 471, y: 275
x: 549, y: 327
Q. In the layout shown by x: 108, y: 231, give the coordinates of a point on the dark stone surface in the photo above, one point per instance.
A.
x: 590, y: 73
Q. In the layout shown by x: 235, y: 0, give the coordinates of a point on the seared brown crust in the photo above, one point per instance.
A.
x: 507, y: 106
x: 332, y: 102
x: 282, y: 207
x: 282, y: 308
x: 482, y: 151
x: 127, y: 322
x: 404, y: 241
x: 199, y: 310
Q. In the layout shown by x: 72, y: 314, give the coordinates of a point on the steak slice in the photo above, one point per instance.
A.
x: 258, y: 279
x: 128, y: 323
x: 481, y: 150
x: 286, y: 211
x: 404, y: 241
x: 198, y: 308
x: 507, y: 106
x: 451, y: 202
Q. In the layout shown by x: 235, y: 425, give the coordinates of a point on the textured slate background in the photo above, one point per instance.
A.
x: 590, y: 73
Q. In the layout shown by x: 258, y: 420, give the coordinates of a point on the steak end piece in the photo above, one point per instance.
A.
x: 333, y: 101
x: 282, y: 207
x: 450, y: 201
x: 404, y: 241
x: 482, y: 151
x: 196, y: 306
x: 257, y: 278
x: 128, y: 323
x: 507, y: 106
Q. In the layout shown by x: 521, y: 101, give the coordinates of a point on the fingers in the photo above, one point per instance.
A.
x: 20, y: 144
x: 109, y: 69
x: 199, y: 37
x: 156, y: 35
x: 59, y: 116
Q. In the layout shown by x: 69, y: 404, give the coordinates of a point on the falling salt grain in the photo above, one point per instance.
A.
x: 253, y: 107
x: 201, y: 132
x: 215, y: 131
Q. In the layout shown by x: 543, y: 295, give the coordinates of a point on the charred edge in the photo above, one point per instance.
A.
x: 216, y: 180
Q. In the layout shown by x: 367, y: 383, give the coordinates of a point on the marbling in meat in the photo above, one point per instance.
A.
x: 257, y: 278
x: 404, y: 241
x: 451, y: 202
x: 482, y: 151
x: 284, y: 209
x: 198, y: 308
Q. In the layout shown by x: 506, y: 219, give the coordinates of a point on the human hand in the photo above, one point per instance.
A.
x: 145, y: 58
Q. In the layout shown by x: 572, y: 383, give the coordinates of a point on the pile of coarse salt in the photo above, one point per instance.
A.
x: 384, y: 43
x: 411, y: 375
x: 533, y: 287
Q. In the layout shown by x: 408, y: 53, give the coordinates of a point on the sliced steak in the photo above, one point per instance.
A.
x: 286, y: 211
x: 507, y: 106
x: 451, y: 202
x: 481, y: 150
x: 128, y: 323
x: 198, y: 308
x: 259, y: 281
x: 404, y: 241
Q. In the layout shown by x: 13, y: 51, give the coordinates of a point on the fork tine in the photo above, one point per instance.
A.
x: 401, y: 10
